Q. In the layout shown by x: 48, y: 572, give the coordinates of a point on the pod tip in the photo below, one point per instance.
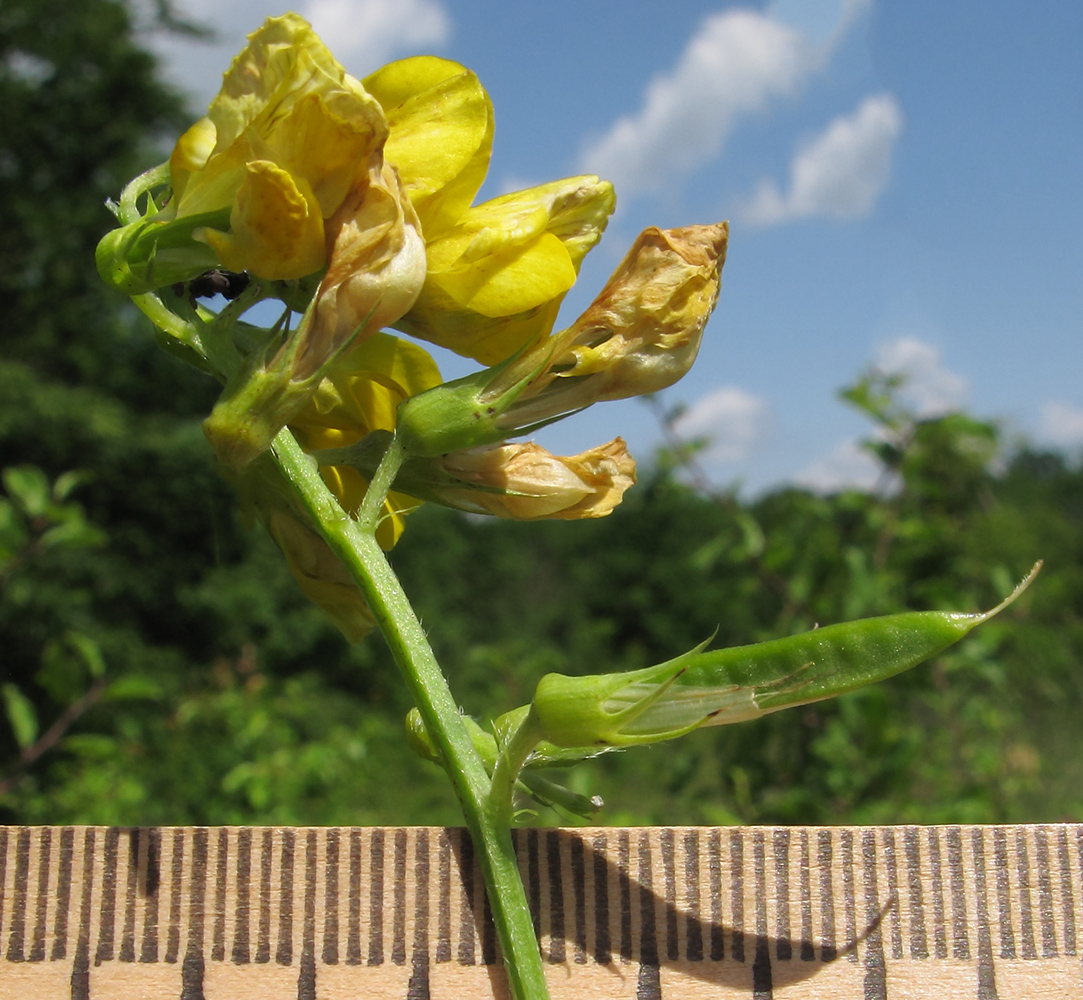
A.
x: 1011, y: 598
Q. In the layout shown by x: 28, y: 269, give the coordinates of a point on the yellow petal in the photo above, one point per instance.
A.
x: 349, y: 487
x: 323, y: 147
x: 286, y: 100
x: 282, y: 63
x: 511, y: 281
x: 500, y: 243
x: 575, y: 209
x: 438, y: 318
x: 276, y: 227
x: 363, y: 391
x: 191, y: 154
x: 441, y: 123
x: 321, y: 576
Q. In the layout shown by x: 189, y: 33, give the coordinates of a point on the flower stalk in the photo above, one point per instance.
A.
x: 487, y: 816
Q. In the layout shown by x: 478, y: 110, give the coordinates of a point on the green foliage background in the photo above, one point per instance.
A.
x: 158, y: 665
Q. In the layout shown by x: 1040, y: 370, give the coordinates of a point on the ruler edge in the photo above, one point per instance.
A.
x: 764, y: 834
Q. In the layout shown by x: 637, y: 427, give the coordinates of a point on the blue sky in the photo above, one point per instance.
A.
x: 902, y: 179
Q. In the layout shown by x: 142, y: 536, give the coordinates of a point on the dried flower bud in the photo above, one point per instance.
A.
x: 523, y: 482
x: 641, y: 334
x: 527, y: 483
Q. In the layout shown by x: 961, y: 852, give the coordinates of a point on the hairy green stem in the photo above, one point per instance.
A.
x: 355, y: 544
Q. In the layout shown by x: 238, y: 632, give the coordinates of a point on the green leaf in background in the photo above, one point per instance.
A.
x: 21, y: 714
x: 89, y: 652
x: 28, y: 486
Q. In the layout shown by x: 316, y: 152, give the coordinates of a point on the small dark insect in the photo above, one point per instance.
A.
x: 228, y: 284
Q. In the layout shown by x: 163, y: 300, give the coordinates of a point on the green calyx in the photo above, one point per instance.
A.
x: 461, y: 414
x: 542, y: 790
x: 149, y: 254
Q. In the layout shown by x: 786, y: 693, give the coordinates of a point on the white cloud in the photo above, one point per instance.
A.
x: 1062, y: 424
x: 930, y: 389
x: 847, y: 466
x: 365, y: 34
x: 733, y: 421
x: 734, y: 64
x: 840, y: 173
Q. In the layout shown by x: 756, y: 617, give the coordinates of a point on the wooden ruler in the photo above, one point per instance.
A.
x: 277, y: 913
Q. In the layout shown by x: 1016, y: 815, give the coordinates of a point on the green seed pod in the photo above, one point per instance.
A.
x: 744, y: 682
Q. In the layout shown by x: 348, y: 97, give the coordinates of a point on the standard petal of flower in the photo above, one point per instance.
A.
x: 285, y: 101
x: 441, y: 123
x: 276, y: 227
x: 283, y: 62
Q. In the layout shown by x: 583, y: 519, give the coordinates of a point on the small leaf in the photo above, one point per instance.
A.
x: 92, y: 746
x: 132, y: 687
x: 75, y: 533
x: 21, y: 714
x: 66, y: 482
x: 28, y: 487
x: 89, y: 652
x: 13, y: 534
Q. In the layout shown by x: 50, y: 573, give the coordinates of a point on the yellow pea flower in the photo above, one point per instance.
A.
x: 361, y: 394
x: 498, y: 271
x: 320, y: 575
x: 256, y: 182
x: 283, y: 143
x: 299, y: 148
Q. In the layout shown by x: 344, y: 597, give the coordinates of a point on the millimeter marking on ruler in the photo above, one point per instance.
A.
x: 251, y: 913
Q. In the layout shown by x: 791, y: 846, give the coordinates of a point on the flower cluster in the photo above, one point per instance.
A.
x: 352, y: 202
